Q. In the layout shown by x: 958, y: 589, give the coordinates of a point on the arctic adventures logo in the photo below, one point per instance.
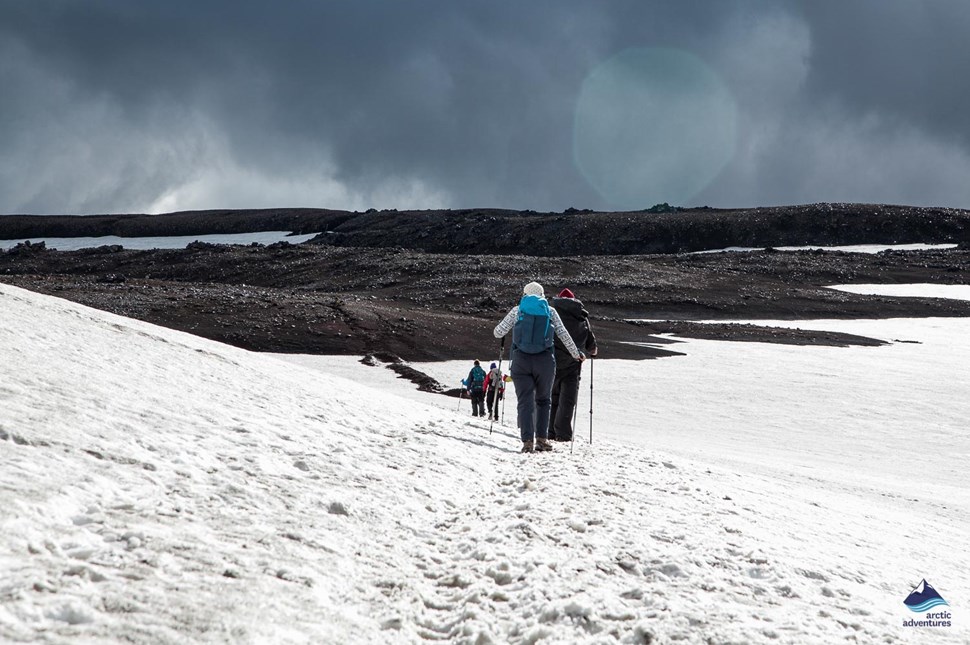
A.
x: 922, y: 599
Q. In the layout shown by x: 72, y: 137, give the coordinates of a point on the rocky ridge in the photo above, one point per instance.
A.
x: 414, y: 300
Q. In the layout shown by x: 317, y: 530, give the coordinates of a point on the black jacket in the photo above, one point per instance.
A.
x: 576, y: 320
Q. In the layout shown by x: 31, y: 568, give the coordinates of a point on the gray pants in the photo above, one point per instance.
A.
x: 532, y: 375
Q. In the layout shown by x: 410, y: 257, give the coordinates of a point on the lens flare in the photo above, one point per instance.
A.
x: 653, y: 125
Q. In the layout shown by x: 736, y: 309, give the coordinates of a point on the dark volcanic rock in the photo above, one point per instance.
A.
x: 27, y: 248
x: 430, y: 285
x: 419, y: 306
x: 298, y: 220
x: 665, y: 230
x: 660, y: 229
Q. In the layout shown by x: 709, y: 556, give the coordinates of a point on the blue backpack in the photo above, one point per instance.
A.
x: 477, y: 377
x: 533, y: 333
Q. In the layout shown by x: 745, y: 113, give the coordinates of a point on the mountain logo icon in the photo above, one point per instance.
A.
x: 924, y: 597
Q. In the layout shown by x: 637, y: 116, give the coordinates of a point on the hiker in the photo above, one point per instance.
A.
x: 533, y: 323
x: 494, y: 391
x: 476, y: 389
x: 565, y: 387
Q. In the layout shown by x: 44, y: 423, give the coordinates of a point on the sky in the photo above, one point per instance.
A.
x: 113, y: 106
x: 217, y: 495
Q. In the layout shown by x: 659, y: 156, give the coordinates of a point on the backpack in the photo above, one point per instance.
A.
x: 533, y: 333
x: 477, y: 379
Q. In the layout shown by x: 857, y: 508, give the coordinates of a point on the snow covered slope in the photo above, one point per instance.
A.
x: 156, y: 487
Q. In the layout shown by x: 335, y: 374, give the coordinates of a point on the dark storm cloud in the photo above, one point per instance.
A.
x: 874, y: 115
x: 121, y: 106
x: 907, y: 60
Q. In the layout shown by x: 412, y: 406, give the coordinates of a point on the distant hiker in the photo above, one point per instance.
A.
x: 533, y: 323
x: 494, y: 390
x: 476, y: 389
x: 565, y: 388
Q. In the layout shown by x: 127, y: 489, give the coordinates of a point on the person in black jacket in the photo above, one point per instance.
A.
x: 565, y: 387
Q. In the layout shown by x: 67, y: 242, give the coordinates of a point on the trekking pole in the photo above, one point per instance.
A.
x: 591, y: 400
x: 461, y: 394
x: 505, y: 392
x: 491, y: 416
x: 572, y: 437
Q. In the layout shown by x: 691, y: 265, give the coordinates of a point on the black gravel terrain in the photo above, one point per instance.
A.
x: 432, y: 285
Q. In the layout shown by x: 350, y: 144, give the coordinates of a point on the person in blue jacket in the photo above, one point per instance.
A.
x: 534, y: 325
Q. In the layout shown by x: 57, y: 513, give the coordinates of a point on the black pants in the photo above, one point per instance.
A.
x: 491, y: 401
x: 478, y: 403
x: 565, y: 394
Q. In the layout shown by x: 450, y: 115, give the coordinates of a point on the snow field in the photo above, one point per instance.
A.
x: 952, y: 291
x: 851, y: 248
x: 159, y: 488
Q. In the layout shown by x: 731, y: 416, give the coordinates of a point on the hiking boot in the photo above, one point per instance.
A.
x: 527, y: 446
x: 543, y: 445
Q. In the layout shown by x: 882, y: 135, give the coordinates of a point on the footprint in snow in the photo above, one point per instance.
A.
x: 337, y: 508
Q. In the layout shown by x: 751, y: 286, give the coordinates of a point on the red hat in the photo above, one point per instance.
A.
x: 566, y: 293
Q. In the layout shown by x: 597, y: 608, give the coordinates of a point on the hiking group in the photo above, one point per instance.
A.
x: 546, y: 364
x: 485, y: 389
